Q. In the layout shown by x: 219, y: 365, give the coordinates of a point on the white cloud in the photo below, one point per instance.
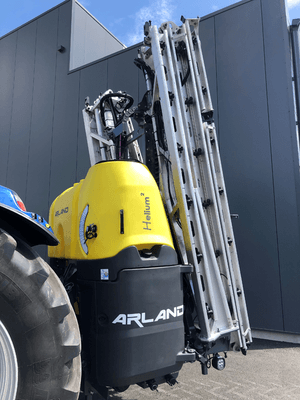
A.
x: 215, y: 8
x: 293, y: 3
x: 157, y: 12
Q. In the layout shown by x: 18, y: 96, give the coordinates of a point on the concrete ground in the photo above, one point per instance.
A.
x: 271, y: 370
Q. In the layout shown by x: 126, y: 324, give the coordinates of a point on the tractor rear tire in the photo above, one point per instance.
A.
x: 39, y: 335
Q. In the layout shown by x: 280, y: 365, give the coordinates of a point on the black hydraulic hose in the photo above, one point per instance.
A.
x: 109, y: 96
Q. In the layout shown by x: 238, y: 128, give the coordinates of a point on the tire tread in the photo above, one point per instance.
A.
x: 54, y: 371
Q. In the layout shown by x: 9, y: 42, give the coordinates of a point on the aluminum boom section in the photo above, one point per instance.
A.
x: 198, y: 209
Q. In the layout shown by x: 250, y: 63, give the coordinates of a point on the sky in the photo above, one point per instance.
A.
x: 125, y: 19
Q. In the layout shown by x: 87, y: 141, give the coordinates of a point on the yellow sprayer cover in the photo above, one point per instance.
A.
x: 117, y: 205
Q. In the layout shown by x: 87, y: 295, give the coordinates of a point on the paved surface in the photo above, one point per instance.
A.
x: 271, y: 370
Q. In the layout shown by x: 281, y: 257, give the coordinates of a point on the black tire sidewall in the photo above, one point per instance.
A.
x: 25, y: 311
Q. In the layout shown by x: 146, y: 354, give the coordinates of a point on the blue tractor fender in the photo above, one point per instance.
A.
x: 28, y: 226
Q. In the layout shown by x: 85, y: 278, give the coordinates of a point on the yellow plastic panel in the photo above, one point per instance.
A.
x: 122, y: 199
x: 64, y: 215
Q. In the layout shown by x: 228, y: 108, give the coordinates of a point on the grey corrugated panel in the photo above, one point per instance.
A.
x: 121, y: 72
x: 34, y: 19
x: 225, y: 9
x: 90, y: 40
x: 245, y: 151
x: 93, y: 81
x: 7, y: 74
x: 21, y: 110
x: 39, y: 159
x: 121, y: 52
x: 284, y: 155
x: 64, y: 139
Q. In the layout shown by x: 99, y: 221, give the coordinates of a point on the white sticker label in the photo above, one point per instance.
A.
x: 104, y: 274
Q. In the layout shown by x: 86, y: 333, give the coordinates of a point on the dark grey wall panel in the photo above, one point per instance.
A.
x: 29, y: 73
x: 122, y: 74
x: 246, y: 155
x: 21, y: 109
x: 243, y: 130
x: 7, y: 75
x: 284, y: 156
x: 29, y: 69
x: 39, y: 159
x: 65, y: 121
x: 250, y: 77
